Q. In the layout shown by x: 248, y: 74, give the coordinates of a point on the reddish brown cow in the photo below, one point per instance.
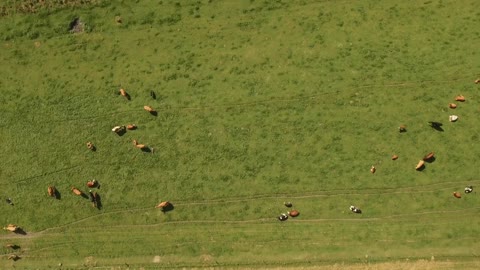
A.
x: 457, y: 195
x: 394, y: 157
x: 428, y: 156
x: 452, y: 105
x: 460, y: 98
x: 131, y: 127
x: 293, y: 213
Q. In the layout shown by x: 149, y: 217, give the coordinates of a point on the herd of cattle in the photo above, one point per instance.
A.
x: 93, y: 184
x: 420, y: 165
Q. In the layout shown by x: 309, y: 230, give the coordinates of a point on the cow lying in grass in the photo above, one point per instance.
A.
x: 355, y: 209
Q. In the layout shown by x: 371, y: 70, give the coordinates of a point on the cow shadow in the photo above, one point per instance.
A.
x: 94, y: 148
x: 57, y: 195
x: 20, y: 231
x: 436, y: 125
x: 430, y: 160
x: 154, y: 113
x: 153, y: 95
x: 146, y: 150
x: 127, y: 96
x: 167, y: 208
x: 421, y: 168
x: 121, y: 132
x: 83, y: 195
x: 14, y: 247
x: 98, y: 200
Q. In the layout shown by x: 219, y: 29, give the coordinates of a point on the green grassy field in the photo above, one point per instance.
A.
x: 259, y: 102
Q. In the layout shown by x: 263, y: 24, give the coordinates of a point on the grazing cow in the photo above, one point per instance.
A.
x: 394, y: 157
x: 131, y: 127
x: 477, y: 81
x: 429, y: 156
x: 402, y: 128
x: 469, y: 189
x: 90, y: 146
x: 12, y: 246
x: 13, y: 257
x: 118, y: 129
x: 148, y: 108
x: 124, y: 94
x: 283, y: 217
x: 293, y: 213
x: 140, y: 146
x: 288, y: 204
x: 453, y: 118
x: 9, y: 201
x: 355, y: 209
x: 77, y: 191
x: 373, y: 169
x: 163, y: 204
x: 452, y: 105
x: 52, y: 191
x: 457, y: 195
x: 460, y: 98
x: 92, y: 184
x: 11, y: 228
x: 420, y: 165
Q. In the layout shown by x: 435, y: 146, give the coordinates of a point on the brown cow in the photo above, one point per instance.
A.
x: 457, y: 195
x: 429, y: 156
x: 373, y: 169
x: 131, y: 127
x: 452, y: 105
x: 77, y: 191
x: 148, y: 109
x: 52, y: 191
x: 13, y: 257
x: 140, y: 146
x: 165, y: 206
x: 460, y: 98
x: 477, y: 81
x: 394, y: 157
x: 402, y: 128
x: 293, y: 213
x: 420, y: 165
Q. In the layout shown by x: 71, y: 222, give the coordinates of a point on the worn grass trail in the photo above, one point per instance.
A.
x: 258, y: 103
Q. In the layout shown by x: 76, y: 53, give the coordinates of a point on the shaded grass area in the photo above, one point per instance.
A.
x: 258, y: 103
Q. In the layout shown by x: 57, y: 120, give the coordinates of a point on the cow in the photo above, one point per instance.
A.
x: 293, y: 213
x: 420, y: 165
x: 283, y: 217
x: 140, y: 146
x: 402, y: 128
x: 52, y: 191
x: 90, y: 146
x: 355, y: 209
x: 13, y: 257
x: 12, y: 246
x: 477, y: 81
x: 124, y: 94
x: 165, y: 206
x: 118, y: 129
x: 457, y: 195
x: 453, y: 118
x: 11, y: 228
x: 93, y: 183
x: 460, y: 98
x: 469, y: 189
x: 429, y: 156
x: 394, y: 157
x: 288, y: 204
x: 373, y: 169
x: 148, y: 109
x: 77, y: 191
x: 452, y: 105
x: 131, y: 127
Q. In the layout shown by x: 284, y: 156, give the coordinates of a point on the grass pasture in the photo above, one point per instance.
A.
x: 259, y: 102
